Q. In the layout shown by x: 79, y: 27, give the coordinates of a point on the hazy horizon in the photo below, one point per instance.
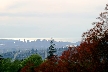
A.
x: 48, y: 18
x: 56, y: 39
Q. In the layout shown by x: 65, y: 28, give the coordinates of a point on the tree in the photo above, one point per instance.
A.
x: 31, y: 62
x: 90, y: 56
x: 8, y: 66
x: 94, y: 46
x: 4, y: 66
x: 51, y: 49
x: 51, y: 65
x: 1, y: 57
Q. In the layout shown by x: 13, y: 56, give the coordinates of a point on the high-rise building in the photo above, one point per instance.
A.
x: 24, y: 41
x: 28, y: 41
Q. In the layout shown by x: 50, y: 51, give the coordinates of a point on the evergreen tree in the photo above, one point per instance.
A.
x: 51, y: 49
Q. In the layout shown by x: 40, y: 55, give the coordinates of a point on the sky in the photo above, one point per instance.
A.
x: 48, y: 18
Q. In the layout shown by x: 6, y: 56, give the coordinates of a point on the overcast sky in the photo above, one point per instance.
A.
x: 48, y: 18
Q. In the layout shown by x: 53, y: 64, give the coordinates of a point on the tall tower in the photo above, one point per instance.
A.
x: 51, y: 49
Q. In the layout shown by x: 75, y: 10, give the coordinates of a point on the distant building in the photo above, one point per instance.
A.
x: 28, y: 41
x: 19, y: 40
x: 24, y: 41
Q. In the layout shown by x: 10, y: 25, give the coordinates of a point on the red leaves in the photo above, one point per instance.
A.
x: 27, y: 68
x: 90, y: 56
x: 52, y: 65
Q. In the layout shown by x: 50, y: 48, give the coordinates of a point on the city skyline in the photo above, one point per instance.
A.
x: 56, y: 39
x: 13, y: 45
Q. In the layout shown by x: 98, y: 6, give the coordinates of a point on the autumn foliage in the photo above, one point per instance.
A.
x: 90, y: 56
